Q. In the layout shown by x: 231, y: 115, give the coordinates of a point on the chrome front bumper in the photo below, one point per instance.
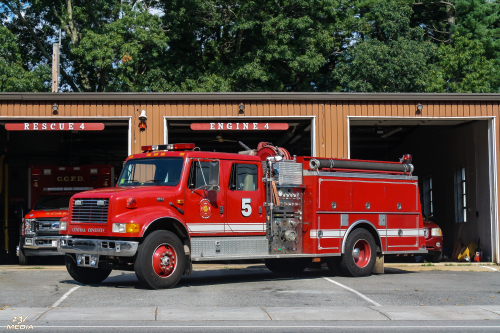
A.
x: 98, y: 246
x: 41, y: 242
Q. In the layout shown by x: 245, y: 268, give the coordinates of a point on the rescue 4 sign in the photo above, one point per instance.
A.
x: 55, y: 127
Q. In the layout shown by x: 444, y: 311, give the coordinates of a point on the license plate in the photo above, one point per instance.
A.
x: 54, y: 243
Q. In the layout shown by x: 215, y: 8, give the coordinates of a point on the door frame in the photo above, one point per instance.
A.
x: 492, y: 161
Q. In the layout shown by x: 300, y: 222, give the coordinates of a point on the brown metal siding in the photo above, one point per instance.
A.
x: 331, y: 115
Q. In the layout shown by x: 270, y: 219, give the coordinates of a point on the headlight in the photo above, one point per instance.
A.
x: 131, y: 228
x: 436, y: 232
x: 426, y: 232
x: 28, y: 226
x: 62, y: 225
x: 119, y: 227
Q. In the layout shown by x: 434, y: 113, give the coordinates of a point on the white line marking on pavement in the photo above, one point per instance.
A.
x: 65, y: 296
x: 280, y: 326
x: 354, y: 291
x: 496, y: 270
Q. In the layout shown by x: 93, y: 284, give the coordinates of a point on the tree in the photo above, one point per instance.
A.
x: 16, y: 75
x: 462, y: 68
x: 388, y: 55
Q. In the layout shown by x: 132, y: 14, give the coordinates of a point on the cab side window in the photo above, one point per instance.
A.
x: 243, y: 177
x: 204, y: 174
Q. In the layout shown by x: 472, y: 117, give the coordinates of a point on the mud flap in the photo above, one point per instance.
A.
x: 379, y: 264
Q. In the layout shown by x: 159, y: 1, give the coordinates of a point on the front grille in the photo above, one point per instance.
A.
x: 89, y: 211
x: 47, y: 226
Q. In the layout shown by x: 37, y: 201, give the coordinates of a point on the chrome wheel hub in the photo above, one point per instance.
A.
x: 355, y: 253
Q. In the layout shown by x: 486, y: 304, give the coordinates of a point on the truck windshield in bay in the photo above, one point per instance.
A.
x: 164, y: 171
x: 53, y: 202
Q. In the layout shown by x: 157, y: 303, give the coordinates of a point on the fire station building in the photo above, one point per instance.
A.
x: 453, y: 139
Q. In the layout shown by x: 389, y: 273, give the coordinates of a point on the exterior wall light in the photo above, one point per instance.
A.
x: 241, y: 108
x: 143, y: 118
x: 419, y: 109
x: 54, y: 109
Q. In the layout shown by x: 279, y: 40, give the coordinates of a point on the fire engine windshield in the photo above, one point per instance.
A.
x: 53, y: 202
x: 165, y: 171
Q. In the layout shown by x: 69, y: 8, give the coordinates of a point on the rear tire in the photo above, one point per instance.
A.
x: 85, y: 275
x: 360, y: 254
x: 23, y: 258
x: 435, y: 257
x: 160, y: 260
x: 287, y: 265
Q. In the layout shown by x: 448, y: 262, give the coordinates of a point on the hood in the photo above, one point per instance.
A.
x: 109, y: 191
x: 430, y: 224
x: 46, y: 213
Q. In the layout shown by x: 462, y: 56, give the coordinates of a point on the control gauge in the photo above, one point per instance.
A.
x: 280, y: 193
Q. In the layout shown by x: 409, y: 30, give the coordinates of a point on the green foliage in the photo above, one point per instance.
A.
x: 463, y: 67
x: 14, y: 75
x: 254, y: 45
x: 374, y: 66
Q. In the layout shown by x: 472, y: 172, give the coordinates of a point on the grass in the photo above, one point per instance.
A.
x: 36, y: 267
x: 449, y: 265
x: 464, y: 265
x: 427, y: 264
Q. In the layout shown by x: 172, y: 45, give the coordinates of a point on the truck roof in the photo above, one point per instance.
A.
x: 196, y: 154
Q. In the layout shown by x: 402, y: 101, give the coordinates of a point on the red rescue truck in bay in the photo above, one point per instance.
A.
x: 50, y: 190
x: 174, y: 205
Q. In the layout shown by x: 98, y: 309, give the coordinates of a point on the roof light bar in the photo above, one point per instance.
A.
x: 174, y: 146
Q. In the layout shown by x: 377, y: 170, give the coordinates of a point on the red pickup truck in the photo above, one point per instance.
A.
x: 433, y: 240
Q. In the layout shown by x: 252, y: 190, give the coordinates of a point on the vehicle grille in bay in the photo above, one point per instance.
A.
x: 89, y: 210
x: 47, y: 226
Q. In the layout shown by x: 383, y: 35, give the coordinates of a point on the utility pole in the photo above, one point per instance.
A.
x: 55, y: 67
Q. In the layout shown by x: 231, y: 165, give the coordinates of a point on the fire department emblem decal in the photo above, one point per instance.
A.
x: 205, y: 208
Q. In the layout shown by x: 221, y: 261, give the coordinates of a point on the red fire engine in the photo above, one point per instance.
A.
x: 50, y: 189
x: 174, y: 205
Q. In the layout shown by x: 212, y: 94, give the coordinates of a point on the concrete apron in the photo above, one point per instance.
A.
x: 333, y: 313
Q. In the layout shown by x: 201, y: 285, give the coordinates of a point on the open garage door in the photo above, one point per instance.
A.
x: 59, y: 146
x: 452, y: 161
x: 216, y: 135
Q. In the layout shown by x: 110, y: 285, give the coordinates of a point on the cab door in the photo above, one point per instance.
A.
x: 204, y: 199
x: 244, y: 199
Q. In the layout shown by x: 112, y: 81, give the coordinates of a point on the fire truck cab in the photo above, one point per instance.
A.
x: 174, y: 205
x: 50, y: 191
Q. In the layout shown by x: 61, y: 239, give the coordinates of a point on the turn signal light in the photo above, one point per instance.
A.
x: 133, y: 228
x: 131, y: 203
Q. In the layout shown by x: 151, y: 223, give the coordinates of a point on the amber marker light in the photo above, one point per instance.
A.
x: 180, y: 202
x: 133, y: 228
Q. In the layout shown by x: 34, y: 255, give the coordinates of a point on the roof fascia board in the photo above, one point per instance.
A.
x: 247, y: 96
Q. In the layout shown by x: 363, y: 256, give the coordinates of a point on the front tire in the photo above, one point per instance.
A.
x: 360, y: 254
x: 287, y: 265
x: 160, y: 260
x: 85, y: 275
x: 23, y: 258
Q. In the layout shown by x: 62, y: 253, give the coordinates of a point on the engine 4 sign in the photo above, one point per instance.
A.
x: 55, y: 127
x: 239, y: 126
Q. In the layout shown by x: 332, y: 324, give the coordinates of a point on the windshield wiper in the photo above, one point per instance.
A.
x: 156, y: 181
x: 133, y: 181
